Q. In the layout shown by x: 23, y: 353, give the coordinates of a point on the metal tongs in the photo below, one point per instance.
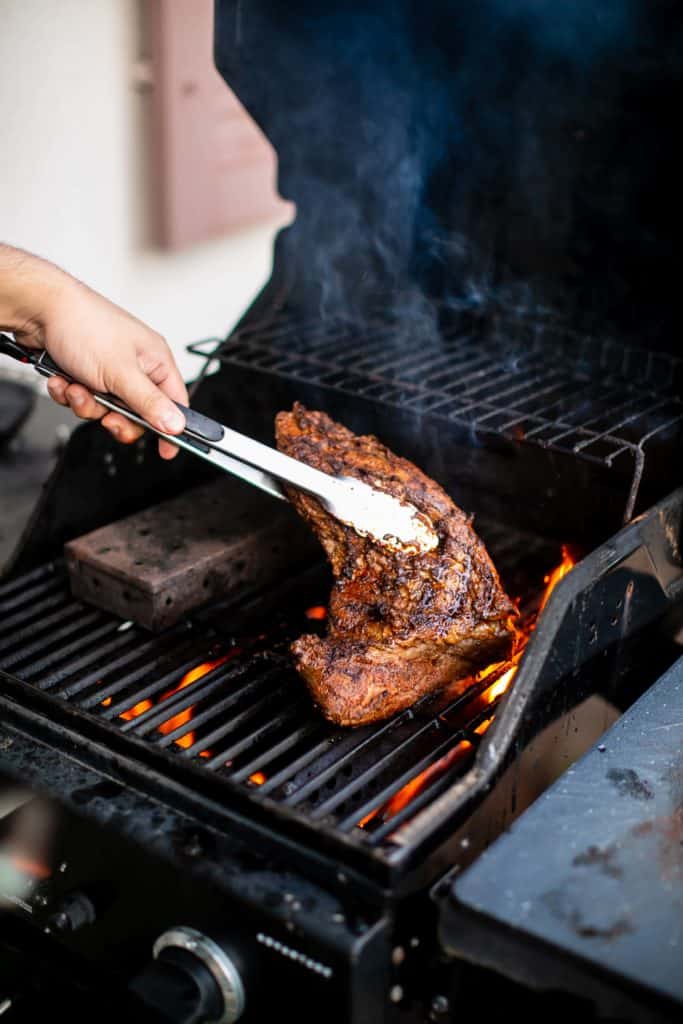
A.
x: 370, y: 512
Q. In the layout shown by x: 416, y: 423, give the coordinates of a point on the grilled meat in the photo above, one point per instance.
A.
x: 400, y: 624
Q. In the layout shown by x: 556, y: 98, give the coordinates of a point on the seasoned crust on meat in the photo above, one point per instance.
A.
x: 400, y: 624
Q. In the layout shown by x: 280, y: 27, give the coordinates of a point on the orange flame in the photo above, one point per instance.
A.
x: 188, y: 738
x: 134, y: 712
x: 558, y: 573
x: 503, y: 672
x: 176, y: 721
x: 258, y: 778
x: 317, y: 612
x: 411, y: 789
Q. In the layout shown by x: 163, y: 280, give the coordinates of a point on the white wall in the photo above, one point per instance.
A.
x: 73, y: 172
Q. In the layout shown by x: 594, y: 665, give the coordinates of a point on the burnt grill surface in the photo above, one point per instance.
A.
x: 248, y: 720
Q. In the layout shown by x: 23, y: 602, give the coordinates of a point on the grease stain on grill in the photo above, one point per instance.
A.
x: 603, y: 859
x: 584, y: 919
x: 622, y: 926
x: 627, y: 782
x: 667, y: 833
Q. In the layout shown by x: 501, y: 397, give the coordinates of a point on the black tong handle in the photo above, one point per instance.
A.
x: 195, y: 423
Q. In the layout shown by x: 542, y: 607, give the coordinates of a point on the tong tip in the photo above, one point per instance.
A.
x: 385, y: 518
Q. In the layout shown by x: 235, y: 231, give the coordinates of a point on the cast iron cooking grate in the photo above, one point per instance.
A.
x: 235, y: 707
x: 534, y: 382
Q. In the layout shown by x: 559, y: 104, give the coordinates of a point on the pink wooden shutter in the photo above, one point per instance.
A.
x: 213, y: 169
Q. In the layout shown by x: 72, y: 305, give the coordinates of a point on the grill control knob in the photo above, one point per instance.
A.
x: 208, y: 956
x: 75, y: 910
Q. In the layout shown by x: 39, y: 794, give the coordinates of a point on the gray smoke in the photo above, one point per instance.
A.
x: 458, y: 162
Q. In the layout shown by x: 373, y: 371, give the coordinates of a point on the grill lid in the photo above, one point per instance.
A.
x: 480, y: 154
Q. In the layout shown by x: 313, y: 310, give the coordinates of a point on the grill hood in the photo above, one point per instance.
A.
x: 515, y: 156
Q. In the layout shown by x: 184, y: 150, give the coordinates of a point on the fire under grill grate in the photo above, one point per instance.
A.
x: 597, y: 400
x: 236, y: 709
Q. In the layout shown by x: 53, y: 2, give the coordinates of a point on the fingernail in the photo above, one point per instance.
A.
x: 172, y: 421
x: 78, y: 400
x: 116, y: 431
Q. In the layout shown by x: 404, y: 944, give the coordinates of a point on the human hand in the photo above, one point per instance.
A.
x: 101, y: 345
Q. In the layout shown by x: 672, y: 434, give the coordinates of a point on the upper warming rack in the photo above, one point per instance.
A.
x: 594, y: 399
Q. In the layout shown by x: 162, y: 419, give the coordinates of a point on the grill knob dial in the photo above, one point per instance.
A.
x: 219, y: 964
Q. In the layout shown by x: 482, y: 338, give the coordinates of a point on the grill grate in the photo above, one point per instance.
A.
x: 245, y: 716
x: 598, y: 400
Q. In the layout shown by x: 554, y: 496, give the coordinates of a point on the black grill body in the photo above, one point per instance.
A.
x: 507, y: 363
x: 321, y: 888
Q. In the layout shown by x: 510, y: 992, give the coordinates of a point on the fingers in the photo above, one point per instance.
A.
x: 81, y: 402
x: 122, y: 429
x: 56, y: 389
x: 162, y: 371
x: 167, y: 450
x: 75, y: 396
x: 147, y: 379
x: 150, y: 401
x: 174, y: 387
x: 161, y: 368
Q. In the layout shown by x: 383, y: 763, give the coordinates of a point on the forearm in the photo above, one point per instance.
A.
x: 29, y: 286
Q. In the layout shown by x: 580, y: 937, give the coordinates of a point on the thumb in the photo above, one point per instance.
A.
x: 148, y: 401
x: 173, y: 386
